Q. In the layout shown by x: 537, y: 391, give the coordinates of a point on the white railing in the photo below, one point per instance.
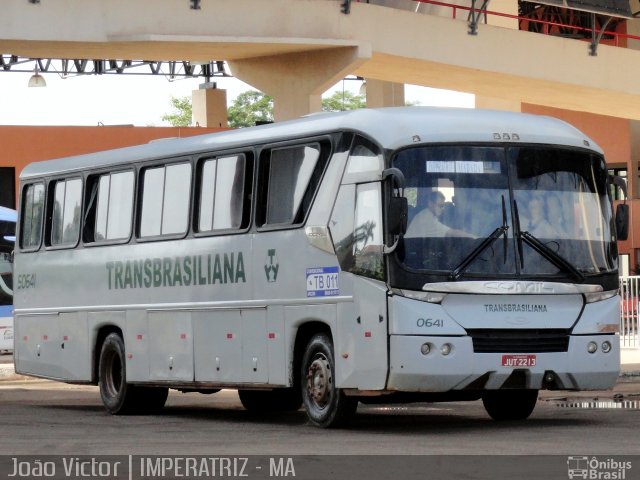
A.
x: 629, y: 311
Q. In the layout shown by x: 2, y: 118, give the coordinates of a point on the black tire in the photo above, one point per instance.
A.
x: 277, y: 400
x: 118, y: 396
x: 508, y: 405
x: 326, y: 405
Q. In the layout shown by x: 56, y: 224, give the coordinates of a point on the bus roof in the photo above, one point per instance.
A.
x: 392, y: 128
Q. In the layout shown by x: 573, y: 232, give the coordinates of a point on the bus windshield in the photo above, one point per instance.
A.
x: 520, y: 211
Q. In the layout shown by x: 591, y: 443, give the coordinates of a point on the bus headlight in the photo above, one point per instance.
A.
x: 606, y: 347
x: 425, y: 348
x: 592, y: 347
x: 593, y: 297
x: 445, y: 349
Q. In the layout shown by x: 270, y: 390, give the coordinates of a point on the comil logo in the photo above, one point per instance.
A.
x: 594, y: 468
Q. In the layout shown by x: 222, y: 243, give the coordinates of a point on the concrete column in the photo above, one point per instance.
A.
x: 384, y: 94
x: 296, y: 81
x: 209, y: 107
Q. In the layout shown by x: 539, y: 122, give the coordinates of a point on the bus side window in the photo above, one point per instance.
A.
x: 356, y: 228
x: 368, y: 232
x: 109, y: 207
x: 65, y: 212
x: 341, y: 226
x: 32, y: 215
x: 224, y: 193
x: 166, y: 192
x: 288, y: 180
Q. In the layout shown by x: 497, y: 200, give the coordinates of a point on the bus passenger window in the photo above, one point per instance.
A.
x: 32, y: 213
x: 65, y: 218
x: 222, y: 194
x: 114, y: 207
x: 290, y: 172
x: 165, y: 200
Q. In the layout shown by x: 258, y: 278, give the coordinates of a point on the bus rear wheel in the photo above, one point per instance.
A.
x: 118, y: 396
x: 505, y: 405
x: 326, y: 405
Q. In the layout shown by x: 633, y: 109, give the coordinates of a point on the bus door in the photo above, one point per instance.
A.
x: 365, y: 330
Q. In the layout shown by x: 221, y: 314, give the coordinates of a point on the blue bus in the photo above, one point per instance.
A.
x: 7, y: 240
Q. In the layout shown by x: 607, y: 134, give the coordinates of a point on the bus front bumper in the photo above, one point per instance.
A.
x: 441, y: 364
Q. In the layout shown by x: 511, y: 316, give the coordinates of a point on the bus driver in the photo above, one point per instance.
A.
x: 427, y: 222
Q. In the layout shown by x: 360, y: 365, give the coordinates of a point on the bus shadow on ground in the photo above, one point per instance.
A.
x: 413, y: 418
x: 385, y: 419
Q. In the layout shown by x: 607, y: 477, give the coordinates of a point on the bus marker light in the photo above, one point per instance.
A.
x: 45, y: 337
x: 425, y: 348
x: 139, y: 337
x: 445, y: 349
x: 592, y: 347
x: 606, y: 347
x: 130, y: 356
x: 272, y: 335
x: 367, y: 334
x: 65, y: 338
x: 229, y: 336
x: 183, y: 336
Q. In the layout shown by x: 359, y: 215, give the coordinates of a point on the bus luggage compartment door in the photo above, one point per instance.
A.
x: 171, y: 346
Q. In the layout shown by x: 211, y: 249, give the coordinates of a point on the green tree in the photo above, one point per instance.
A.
x: 249, y: 108
x: 183, y: 112
x: 341, y: 101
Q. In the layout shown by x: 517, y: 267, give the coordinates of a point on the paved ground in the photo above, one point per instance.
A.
x: 628, y: 384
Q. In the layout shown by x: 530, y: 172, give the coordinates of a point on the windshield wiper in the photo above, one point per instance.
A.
x: 518, y: 237
x: 558, y: 260
x: 457, y: 272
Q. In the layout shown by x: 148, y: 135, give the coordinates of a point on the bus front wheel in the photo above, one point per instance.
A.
x: 326, y: 405
x: 509, y: 404
x: 118, y: 396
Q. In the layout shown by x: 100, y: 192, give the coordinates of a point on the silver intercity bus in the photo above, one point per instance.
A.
x: 402, y: 254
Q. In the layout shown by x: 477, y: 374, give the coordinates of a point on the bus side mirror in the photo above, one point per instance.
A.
x: 622, y: 221
x: 397, y: 209
x: 397, y: 216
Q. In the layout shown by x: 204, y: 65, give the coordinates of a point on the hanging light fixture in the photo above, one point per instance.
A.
x: 36, y: 79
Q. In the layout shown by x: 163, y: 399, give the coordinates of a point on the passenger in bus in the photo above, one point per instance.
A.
x: 427, y: 222
x: 537, y: 223
x: 559, y: 217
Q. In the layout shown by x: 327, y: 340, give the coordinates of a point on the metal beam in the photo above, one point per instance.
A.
x: 66, y: 67
x: 475, y: 14
x: 595, y: 39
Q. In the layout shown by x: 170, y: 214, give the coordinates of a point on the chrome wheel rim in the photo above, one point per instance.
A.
x: 320, y: 381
